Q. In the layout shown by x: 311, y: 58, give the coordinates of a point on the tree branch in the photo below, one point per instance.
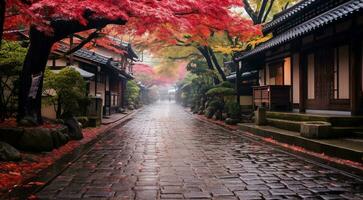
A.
x: 268, y: 11
x: 84, y: 42
x: 185, y: 57
x: 250, y: 11
x: 216, y: 64
x: 261, y: 13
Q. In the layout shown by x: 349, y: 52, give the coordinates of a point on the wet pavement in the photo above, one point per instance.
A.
x: 164, y: 153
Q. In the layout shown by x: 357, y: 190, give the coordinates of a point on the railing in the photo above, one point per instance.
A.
x: 272, y: 97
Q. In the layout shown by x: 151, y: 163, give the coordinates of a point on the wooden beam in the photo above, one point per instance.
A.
x: 238, y: 80
x: 355, y: 84
x: 302, y: 83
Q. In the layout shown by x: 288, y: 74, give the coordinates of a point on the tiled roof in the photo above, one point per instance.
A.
x: 97, y: 58
x: 86, y: 54
x: 244, y: 75
x: 287, y: 14
x: 339, y: 12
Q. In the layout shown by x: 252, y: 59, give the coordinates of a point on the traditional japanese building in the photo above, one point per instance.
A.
x: 105, y: 71
x: 313, y: 62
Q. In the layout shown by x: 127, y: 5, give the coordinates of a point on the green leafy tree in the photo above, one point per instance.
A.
x: 12, y: 55
x: 66, y: 91
x: 132, y: 93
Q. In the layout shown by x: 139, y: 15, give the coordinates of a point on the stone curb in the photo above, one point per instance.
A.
x: 48, y: 174
x: 339, y: 167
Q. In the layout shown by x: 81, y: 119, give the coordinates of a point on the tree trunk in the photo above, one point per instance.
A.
x: 2, y: 18
x: 216, y: 64
x: 204, y: 51
x: 37, y: 56
x: 34, y: 64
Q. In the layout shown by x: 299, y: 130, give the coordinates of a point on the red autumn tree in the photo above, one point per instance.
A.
x: 235, y: 28
x: 49, y: 21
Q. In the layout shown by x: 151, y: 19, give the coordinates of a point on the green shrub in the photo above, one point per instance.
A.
x: 12, y: 55
x: 225, y: 84
x: 132, y: 93
x: 216, y: 104
x: 67, y: 91
x: 233, y: 110
x: 221, y: 91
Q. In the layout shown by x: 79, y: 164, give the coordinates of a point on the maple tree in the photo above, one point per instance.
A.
x: 49, y: 21
x: 201, y: 40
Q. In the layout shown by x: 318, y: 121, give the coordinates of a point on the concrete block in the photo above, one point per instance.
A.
x: 316, y: 130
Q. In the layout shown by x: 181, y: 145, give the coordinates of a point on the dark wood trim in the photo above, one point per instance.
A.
x: 302, y: 81
x: 355, y: 63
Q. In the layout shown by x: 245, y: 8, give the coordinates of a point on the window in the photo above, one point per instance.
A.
x: 311, y: 76
x: 276, y: 74
x: 341, y: 73
x: 287, y: 71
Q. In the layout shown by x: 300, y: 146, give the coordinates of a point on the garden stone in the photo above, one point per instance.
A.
x: 55, y: 139
x: 11, y: 135
x: 217, y: 115
x: 209, y: 113
x: 74, y: 129
x: 224, y: 116
x: 64, y: 138
x: 315, y: 130
x: 231, y: 121
x: 28, y: 122
x: 36, y: 139
x: 8, y: 152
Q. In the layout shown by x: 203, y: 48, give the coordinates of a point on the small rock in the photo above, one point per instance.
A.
x: 8, y: 152
x: 74, y: 129
x: 231, y: 121
x: 28, y: 122
x: 36, y: 139
x: 56, y: 139
x: 11, y: 135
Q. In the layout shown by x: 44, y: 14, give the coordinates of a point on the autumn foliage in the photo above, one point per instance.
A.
x: 16, y: 173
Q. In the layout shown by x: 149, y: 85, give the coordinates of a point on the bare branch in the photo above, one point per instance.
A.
x: 192, y: 55
x: 262, y: 11
x: 250, y: 11
x: 268, y: 11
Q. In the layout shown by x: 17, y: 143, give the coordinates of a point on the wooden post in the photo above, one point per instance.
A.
x: 70, y: 48
x: 355, y: 63
x: 238, y: 80
x: 302, y: 83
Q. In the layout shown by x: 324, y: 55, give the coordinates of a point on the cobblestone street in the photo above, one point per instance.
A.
x: 164, y: 153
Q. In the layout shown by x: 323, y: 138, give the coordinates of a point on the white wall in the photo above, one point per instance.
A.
x: 311, y: 76
x: 287, y: 71
x: 296, y: 78
x: 344, y: 72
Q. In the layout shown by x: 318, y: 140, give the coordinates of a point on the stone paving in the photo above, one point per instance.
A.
x: 163, y: 153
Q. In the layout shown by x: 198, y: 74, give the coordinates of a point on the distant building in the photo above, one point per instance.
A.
x: 105, y: 70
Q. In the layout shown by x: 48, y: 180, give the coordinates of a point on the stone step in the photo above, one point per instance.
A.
x: 341, y: 148
x: 338, y: 121
x: 285, y: 124
x: 291, y: 125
